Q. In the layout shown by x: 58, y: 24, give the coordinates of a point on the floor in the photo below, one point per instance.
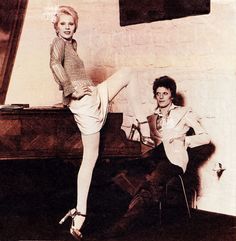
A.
x: 36, y: 194
x: 202, y: 227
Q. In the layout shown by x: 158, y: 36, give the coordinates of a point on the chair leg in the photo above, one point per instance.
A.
x: 194, y: 200
x: 160, y: 213
x: 185, y: 196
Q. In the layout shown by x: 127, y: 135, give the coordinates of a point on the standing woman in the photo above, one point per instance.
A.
x: 88, y: 103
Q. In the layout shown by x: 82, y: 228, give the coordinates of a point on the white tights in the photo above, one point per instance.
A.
x: 119, y: 80
x: 90, y: 155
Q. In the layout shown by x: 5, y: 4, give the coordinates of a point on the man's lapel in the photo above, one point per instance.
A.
x: 176, y: 115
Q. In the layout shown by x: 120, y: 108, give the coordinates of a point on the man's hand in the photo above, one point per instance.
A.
x: 180, y: 138
x: 81, y: 91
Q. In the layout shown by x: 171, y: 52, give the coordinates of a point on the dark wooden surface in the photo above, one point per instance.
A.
x: 33, y: 133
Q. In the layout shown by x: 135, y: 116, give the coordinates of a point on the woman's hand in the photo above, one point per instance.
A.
x: 80, y: 92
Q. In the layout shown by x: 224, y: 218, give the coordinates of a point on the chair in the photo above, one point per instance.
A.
x: 187, y: 203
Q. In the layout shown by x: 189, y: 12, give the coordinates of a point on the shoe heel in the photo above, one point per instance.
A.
x: 69, y: 214
x: 132, y: 131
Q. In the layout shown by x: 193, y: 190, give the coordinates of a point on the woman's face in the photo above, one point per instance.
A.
x: 66, y: 26
x: 163, y: 97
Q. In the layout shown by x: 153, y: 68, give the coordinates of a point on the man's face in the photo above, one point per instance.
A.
x: 163, y: 97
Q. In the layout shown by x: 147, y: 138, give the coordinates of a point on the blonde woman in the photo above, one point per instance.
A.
x: 86, y: 101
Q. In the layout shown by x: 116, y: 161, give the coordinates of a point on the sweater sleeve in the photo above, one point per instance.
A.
x: 56, y: 64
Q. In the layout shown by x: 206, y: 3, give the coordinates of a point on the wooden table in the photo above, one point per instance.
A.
x: 39, y: 133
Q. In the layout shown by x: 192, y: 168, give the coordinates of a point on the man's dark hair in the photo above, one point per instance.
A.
x: 167, y: 82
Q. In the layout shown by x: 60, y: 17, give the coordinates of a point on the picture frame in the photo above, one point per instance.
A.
x: 145, y: 11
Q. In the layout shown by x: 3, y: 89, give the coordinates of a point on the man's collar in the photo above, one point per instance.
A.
x: 158, y: 110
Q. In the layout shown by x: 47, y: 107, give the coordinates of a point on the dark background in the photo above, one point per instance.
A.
x: 134, y: 12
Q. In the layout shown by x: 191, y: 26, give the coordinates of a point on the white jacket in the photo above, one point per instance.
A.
x: 173, y: 134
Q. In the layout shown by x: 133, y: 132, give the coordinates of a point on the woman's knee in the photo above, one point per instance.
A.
x: 91, y: 146
x: 118, y: 81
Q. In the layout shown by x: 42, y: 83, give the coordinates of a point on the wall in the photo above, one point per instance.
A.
x: 199, y: 52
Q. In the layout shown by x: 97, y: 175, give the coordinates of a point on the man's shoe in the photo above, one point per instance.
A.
x: 134, y: 214
x: 115, y: 231
x: 125, y: 224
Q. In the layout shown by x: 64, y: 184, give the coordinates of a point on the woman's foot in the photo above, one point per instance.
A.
x: 76, y: 233
x: 77, y: 222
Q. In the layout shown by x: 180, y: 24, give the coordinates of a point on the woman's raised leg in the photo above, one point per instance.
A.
x: 117, y: 81
x: 127, y: 77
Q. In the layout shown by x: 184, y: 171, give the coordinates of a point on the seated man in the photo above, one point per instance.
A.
x: 168, y: 127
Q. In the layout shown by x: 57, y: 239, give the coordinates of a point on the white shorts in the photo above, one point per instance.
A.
x: 90, y: 112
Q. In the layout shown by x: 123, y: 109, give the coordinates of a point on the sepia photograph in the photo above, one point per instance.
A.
x: 117, y: 120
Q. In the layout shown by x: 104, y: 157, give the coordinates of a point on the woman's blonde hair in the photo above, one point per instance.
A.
x: 68, y: 11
